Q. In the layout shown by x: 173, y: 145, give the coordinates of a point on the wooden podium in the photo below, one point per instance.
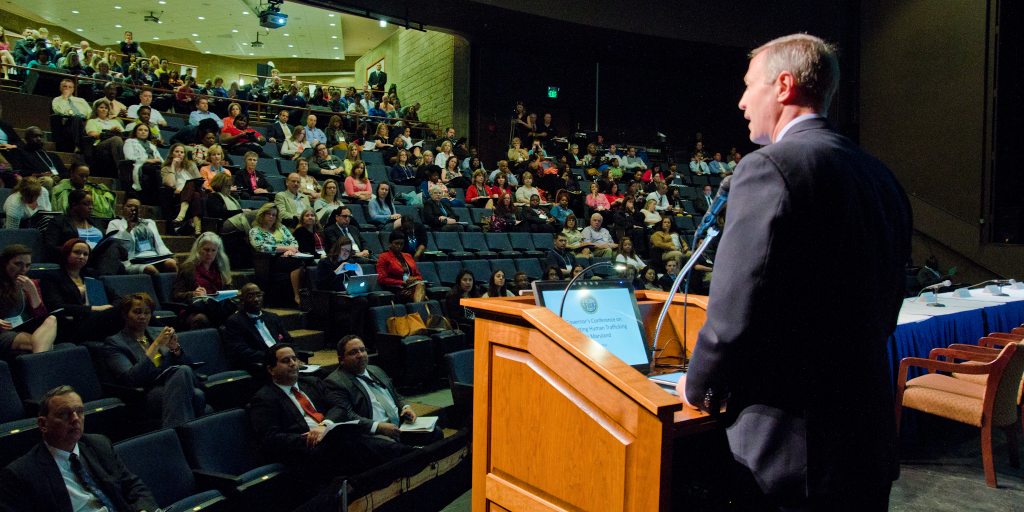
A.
x: 559, y: 424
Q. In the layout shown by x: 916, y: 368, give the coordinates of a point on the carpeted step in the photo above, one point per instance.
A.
x: 307, y: 339
x: 291, y: 318
x: 178, y: 244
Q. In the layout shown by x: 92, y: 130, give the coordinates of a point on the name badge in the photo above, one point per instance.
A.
x: 321, y: 252
x: 53, y: 170
x: 144, y: 246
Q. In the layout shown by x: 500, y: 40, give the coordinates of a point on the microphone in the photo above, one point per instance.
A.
x: 947, y: 282
x: 720, y: 199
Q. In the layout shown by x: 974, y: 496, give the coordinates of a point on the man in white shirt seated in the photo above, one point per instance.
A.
x: 367, y: 396
x: 717, y: 166
x: 611, y: 152
x: 631, y: 162
x: 142, y: 239
x: 203, y: 112
x: 145, y: 99
x: 70, y: 470
x: 735, y: 161
x: 600, y: 239
x: 660, y: 197
x: 698, y: 165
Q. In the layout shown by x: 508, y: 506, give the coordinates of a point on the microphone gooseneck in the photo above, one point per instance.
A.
x: 712, y: 214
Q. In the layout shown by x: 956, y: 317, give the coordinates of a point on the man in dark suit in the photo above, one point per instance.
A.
x: 30, y: 159
x: 378, y: 79
x: 249, y: 332
x: 561, y: 258
x: 811, y: 425
x: 279, y: 131
x: 297, y: 422
x: 703, y: 203
x: 70, y: 470
x: 343, y: 227
x: 537, y: 219
x: 367, y: 395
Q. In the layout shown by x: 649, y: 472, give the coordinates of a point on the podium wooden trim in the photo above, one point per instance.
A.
x: 559, y: 424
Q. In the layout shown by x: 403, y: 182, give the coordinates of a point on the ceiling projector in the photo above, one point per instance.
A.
x: 272, y: 18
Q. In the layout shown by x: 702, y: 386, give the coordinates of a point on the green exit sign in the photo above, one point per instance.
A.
x: 552, y: 92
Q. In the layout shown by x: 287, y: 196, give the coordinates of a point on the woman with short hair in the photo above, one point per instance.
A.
x: 269, y: 237
x: 307, y: 184
x: 397, y: 273
x: 330, y: 198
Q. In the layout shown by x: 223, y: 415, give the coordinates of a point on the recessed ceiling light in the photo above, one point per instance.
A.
x: 234, y: 31
x: 330, y: 15
x: 252, y: 54
x: 202, y: 18
x: 335, y: 47
x: 117, y: 26
x: 156, y: 38
x: 74, y: 12
x: 338, y: 58
x: 294, y: 55
x: 245, y: 12
x: 197, y: 42
x: 383, y: 23
x: 207, y: 51
x: 286, y: 34
x: 291, y: 46
x: 117, y: 7
x: 332, y: 24
x: 334, y: 37
x: 79, y: 30
x: 161, y: 2
x: 194, y: 35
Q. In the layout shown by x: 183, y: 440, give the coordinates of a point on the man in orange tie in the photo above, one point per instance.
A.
x: 299, y: 423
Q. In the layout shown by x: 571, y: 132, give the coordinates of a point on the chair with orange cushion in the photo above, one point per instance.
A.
x: 993, y: 404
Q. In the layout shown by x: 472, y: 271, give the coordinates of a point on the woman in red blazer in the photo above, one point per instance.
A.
x: 397, y: 273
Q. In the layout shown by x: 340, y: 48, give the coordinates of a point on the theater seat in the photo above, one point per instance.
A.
x: 523, y: 243
x: 533, y: 268
x: 429, y: 272
x: 18, y: 432
x: 447, y: 271
x: 460, y: 378
x: 406, y: 359
x: 499, y: 243
x: 119, y: 286
x: 222, y: 451
x: 225, y: 388
x: 442, y: 341
x: 157, y: 459
x: 477, y: 244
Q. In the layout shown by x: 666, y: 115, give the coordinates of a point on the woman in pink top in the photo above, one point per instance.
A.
x: 5, y: 52
x: 597, y: 200
x: 357, y: 185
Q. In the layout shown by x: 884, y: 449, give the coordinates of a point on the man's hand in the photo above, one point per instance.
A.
x: 408, y: 414
x: 315, y: 435
x: 272, y: 140
x: 200, y: 291
x: 389, y: 430
x: 365, y: 253
x: 5, y: 326
x: 681, y: 389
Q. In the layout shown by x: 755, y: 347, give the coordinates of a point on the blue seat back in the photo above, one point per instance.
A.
x: 506, y: 266
x: 221, y: 442
x: 133, y: 283
x: 164, y: 282
x: 203, y: 345
x: 532, y: 267
x: 359, y: 214
x: 425, y: 309
x: 269, y: 166
x: 374, y: 244
x: 286, y: 167
x: 28, y: 237
x: 498, y: 241
x: 43, y: 371
x: 271, y: 149
x: 474, y: 241
x: 378, y: 174
x: 480, y: 269
x: 431, y: 244
x: 478, y: 214
x: 521, y: 242
x: 276, y: 182
x: 372, y: 157
x: 448, y: 241
x: 429, y: 272
x: 11, y: 408
x: 447, y: 270
x: 543, y: 241
x: 157, y: 459
x: 463, y: 213
x: 460, y: 366
x: 379, y: 316
x: 408, y: 209
x: 368, y: 268
x: 97, y: 294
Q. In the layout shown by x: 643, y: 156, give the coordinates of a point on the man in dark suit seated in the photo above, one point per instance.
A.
x: 249, y: 332
x: 561, y: 258
x: 298, y: 423
x: 30, y: 159
x: 70, y: 470
x: 343, y: 227
x: 279, y: 131
x: 367, y: 395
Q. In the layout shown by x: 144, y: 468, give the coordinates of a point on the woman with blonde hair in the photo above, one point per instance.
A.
x: 330, y: 198
x: 444, y: 153
x: 517, y: 154
x: 28, y: 197
x: 351, y: 157
x: 215, y: 155
x: 177, y: 172
x: 296, y: 144
x: 233, y: 110
x: 269, y: 237
x: 107, y: 131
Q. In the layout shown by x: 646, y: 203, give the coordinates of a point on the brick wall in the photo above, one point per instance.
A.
x: 425, y: 66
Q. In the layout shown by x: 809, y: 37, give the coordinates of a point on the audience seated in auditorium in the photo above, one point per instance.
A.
x: 145, y: 116
x: 600, y: 240
x: 698, y: 165
x: 51, y: 477
x: 734, y: 161
x: 382, y: 208
x: 717, y: 166
x: 249, y: 331
x: 69, y: 104
x: 358, y: 184
x: 178, y: 173
x: 308, y: 185
x: 21, y: 300
x: 349, y: 313
x: 66, y: 289
x: 294, y: 99
x: 560, y: 257
x: 310, y: 236
x: 203, y: 112
x: 222, y: 205
x: 671, y: 245
x: 397, y: 272
x: 147, y: 357
x: 78, y: 222
x: 239, y: 139
x: 281, y: 130
x: 117, y: 109
x: 250, y: 181
x: 496, y: 286
x: 479, y: 194
x: 215, y: 160
x: 142, y: 239
x: 367, y: 396
x: 268, y: 236
x: 330, y: 194
x: 415, y: 236
x: 313, y: 134
x: 649, y: 279
x: 28, y: 197
x: 465, y: 288
x: 144, y: 155
x: 671, y: 270
x: 314, y: 440
x: 660, y: 196
x: 107, y: 132
x: 293, y: 146
x: 291, y: 202
x: 335, y: 133
x: 626, y: 255
x: 438, y: 214
x: 403, y: 173
x: 205, y: 272
x: 630, y: 162
x: 343, y: 227
x: 574, y: 237
x: 146, y: 100
x: 505, y: 216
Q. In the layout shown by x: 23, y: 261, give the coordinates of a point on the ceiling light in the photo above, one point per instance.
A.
x: 334, y: 37
x: 161, y: 2
x: 117, y: 26
x: 291, y: 46
x: 207, y: 51
x: 156, y: 38
x: 234, y: 31
x: 195, y: 35
x: 294, y: 55
x: 252, y: 54
x: 79, y: 30
x: 330, y: 15
x: 335, y: 47
x: 117, y: 7
x: 383, y: 23
x: 245, y: 12
x: 332, y: 24
x: 158, y: 21
x: 74, y: 12
x: 338, y: 58
x: 202, y: 18
x: 197, y: 42
x: 286, y: 34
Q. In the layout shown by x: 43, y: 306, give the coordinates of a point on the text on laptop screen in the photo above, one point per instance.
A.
x: 607, y: 316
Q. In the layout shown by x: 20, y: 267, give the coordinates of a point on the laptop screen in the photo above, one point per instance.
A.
x: 606, y: 311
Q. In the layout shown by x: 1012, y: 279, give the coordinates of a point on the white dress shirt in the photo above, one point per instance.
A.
x: 309, y: 419
x: 81, y: 499
x: 795, y: 120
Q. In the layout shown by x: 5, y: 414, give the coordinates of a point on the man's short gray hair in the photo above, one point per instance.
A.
x: 596, y: 215
x: 437, y: 188
x: 811, y: 60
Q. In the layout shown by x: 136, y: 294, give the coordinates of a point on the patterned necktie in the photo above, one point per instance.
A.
x: 378, y: 391
x: 306, y: 405
x: 90, y: 485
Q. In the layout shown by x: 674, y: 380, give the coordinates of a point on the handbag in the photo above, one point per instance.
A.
x: 407, y: 325
x: 439, y: 323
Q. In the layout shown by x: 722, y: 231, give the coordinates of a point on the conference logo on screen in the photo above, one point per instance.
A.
x: 589, y: 304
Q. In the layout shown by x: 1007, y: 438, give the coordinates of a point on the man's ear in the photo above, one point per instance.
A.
x: 785, y: 87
